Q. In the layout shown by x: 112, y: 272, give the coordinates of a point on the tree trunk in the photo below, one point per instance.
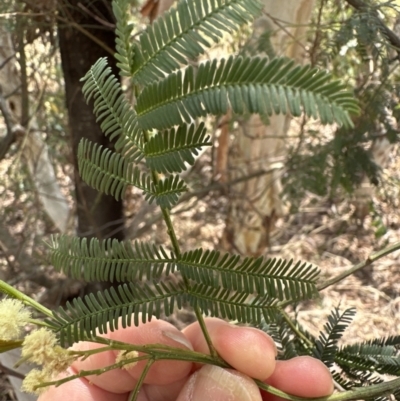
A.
x: 86, y: 35
x: 256, y: 203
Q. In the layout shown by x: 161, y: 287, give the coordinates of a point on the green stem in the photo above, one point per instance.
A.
x: 139, y: 383
x: 371, y: 259
x: 14, y: 293
x: 295, y: 329
x: 41, y: 323
x: 175, y: 245
x: 358, y: 393
x: 156, y: 352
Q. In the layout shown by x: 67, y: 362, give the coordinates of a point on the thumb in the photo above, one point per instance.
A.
x: 212, y: 383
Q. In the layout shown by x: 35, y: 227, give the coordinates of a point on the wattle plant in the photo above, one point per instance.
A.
x: 156, y: 139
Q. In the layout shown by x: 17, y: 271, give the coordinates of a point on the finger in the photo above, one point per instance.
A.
x: 303, y: 376
x: 80, y: 390
x: 167, y: 392
x: 120, y: 380
x: 212, y: 383
x: 246, y: 349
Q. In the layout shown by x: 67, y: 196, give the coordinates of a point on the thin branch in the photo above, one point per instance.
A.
x: 281, y: 25
x: 21, y: 28
x: 88, y: 34
x: 387, y: 32
x: 295, y: 330
x: 175, y: 245
x: 7, y: 60
x: 11, y: 372
x: 134, y: 232
x: 358, y: 393
x: 96, y: 17
x: 371, y: 259
x: 12, y: 130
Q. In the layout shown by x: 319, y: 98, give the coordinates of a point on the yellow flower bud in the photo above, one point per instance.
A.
x: 13, y: 317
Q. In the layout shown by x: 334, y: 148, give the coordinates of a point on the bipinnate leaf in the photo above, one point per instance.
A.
x: 245, y: 85
x: 111, y: 173
x: 219, y: 302
x: 110, y: 260
x: 326, y: 346
x: 114, y: 308
x: 184, y: 32
x: 118, y: 119
x: 168, y: 151
x: 275, y: 278
x: 124, y: 50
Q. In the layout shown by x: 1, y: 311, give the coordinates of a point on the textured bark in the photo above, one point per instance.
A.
x: 99, y: 215
x: 256, y: 204
x: 14, y: 107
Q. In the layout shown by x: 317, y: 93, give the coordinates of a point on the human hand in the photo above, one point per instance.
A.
x: 250, y: 351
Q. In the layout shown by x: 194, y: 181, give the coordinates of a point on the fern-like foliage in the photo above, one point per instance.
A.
x: 219, y: 285
x: 118, y: 119
x: 105, y: 170
x: 124, y: 51
x: 370, y: 358
x: 222, y: 303
x: 110, y: 260
x: 184, y: 32
x: 168, y: 151
x: 112, y: 173
x: 276, y: 278
x: 388, y: 341
x: 254, y: 85
x: 97, y: 314
x: 162, y: 130
x: 326, y: 346
x: 283, y: 337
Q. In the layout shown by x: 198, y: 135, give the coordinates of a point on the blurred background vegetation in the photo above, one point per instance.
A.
x: 336, y: 191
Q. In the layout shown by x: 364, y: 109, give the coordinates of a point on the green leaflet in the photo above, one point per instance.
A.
x: 369, y: 357
x: 184, y: 32
x: 118, y: 119
x: 222, y: 303
x: 112, y: 173
x: 110, y: 260
x: 168, y: 151
x: 275, y: 278
x: 254, y: 85
x: 124, y: 51
x: 326, y: 346
x: 114, y: 308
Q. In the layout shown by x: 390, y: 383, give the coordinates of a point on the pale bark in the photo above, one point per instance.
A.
x: 34, y: 149
x: 257, y: 203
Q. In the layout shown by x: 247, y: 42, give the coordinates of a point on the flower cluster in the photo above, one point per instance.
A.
x: 41, y: 347
x: 125, y: 356
x: 13, y: 317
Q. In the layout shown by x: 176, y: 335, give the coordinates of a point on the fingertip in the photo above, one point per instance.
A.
x: 211, y: 383
x: 246, y: 349
x: 302, y: 376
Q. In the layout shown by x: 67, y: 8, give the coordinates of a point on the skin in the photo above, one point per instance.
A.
x: 249, y: 351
